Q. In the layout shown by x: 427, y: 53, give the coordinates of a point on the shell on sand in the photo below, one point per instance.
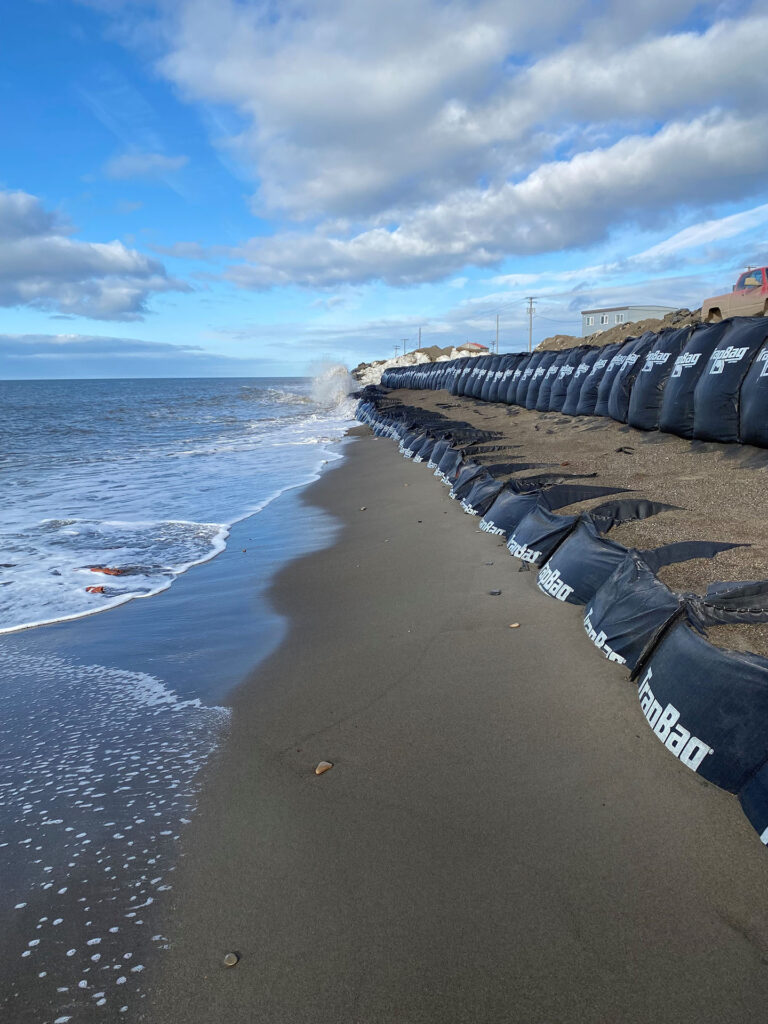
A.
x: 324, y: 766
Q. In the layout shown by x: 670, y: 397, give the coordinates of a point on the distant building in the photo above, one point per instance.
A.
x: 595, y: 320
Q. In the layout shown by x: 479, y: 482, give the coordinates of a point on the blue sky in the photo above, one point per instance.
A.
x: 200, y: 187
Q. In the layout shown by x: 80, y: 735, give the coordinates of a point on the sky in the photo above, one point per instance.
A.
x: 238, y: 188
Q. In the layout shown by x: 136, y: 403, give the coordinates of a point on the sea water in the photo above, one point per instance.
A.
x: 107, y: 720
x: 141, y: 477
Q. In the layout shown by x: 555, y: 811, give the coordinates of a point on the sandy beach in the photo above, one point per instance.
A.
x: 501, y: 838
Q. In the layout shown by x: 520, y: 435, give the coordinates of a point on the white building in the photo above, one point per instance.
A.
x: 595, y: 320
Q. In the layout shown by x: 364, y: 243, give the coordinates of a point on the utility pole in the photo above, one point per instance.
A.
x: 531, y: 300
x: 497, y: 334
x: 419, y: 337
x: 405, y: 342
x: 397, y: 349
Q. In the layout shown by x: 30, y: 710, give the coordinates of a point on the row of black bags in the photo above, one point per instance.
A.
x: 706, y: 704
x: 708, y: 382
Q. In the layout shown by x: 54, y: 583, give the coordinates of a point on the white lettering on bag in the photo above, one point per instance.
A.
x: 665, y: 722
x: 722, y: 356
x: 522, y: 552
x: 654, y: 359
x: 684, y: 362
x: 488, y: 526
x: 599, y: 640
x: 550, y: 582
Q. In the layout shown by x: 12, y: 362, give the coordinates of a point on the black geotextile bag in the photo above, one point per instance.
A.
x: 753, y: 405
x: 484, y: 491
x: 676, y: 416
x: 462, y: 370
x: 425, y: 450
x: 507, y: 373
x: 539, y: 533
x: 559, y: 391
x: 471, y: 471
x: 521, y: 393
x: 648, y: 389
x: 532, y: 395
x: 490, y: 376
x: 441, y: 447
x: 716, y: 399
x: 590, y: 389
x: 449, y: 465
x: 519, y: 497
x: 495, y: 379
x: 707, y: 705
x: 629, y: 611
x: 609, y: 375
x: 624, y: 381
x: 585, y: 560
x: 545, y: 391
x: 517, y: 376
x: 576, y: 382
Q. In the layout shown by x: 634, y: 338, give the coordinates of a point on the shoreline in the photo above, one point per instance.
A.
x: 501, y: 837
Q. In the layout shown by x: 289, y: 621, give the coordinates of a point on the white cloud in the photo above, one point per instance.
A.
x: 561, y: 205
x: 407, y: 139
x: 143, y: 165
x: 42, y: 266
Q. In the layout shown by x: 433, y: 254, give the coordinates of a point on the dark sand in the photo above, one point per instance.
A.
x: 502, y: 838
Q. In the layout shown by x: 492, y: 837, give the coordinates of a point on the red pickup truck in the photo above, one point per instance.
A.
x: 748, y: 298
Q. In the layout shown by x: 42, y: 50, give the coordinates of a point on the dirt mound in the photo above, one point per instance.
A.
x: 679, y: 318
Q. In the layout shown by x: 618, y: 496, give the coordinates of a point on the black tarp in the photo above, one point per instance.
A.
x: 564, y: 377
x: 716, y: 399
x: 676, y: 416
x: 575, y: 384
x: 708, y: 706
x: 545, y: 391
x: 609, y: 375
x: 753, y: 406
x: 648, y: 390
x: 590, y: 389
x: 624, y: 381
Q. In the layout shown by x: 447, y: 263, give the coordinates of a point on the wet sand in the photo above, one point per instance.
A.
x: 501, y: 838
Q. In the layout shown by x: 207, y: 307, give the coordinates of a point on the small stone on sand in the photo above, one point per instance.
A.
x: 514, y: 625
x: 231, y: 959
x: 324, y: 766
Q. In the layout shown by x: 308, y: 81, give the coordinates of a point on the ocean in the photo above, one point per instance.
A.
x: 188, y: 492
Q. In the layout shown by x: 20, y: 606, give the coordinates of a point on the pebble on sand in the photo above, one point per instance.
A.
x: 324, y: 766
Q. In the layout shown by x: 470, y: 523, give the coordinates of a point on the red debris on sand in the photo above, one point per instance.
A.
x: 108, y: 572
x: 94, y: 590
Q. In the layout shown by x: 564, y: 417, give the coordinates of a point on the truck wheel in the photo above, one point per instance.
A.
x: 714, y: 316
